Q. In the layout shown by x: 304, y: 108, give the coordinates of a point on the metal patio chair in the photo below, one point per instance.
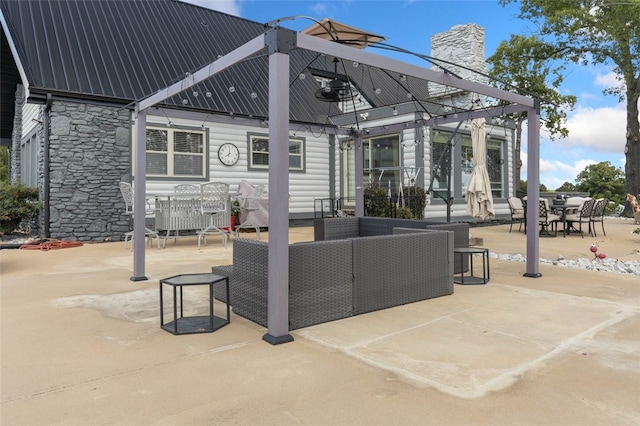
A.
x: 214, y: 202
x: 546, y: 219
x: 583, y: 215
x: 127, y: 194
x: 597, y: 215
x: 187, y: 189
x: 517, y: 212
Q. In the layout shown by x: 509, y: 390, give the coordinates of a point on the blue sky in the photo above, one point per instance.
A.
x: 597, y: 124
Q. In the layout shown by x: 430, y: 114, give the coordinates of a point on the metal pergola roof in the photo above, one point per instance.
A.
x: 278, y: 43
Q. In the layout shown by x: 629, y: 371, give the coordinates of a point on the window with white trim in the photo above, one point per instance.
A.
x: 259, y: 152
x: 174, y: 152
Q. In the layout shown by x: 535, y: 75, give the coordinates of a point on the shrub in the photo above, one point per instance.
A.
x: 18, y: 204
x: 376, y: 201
x: 404, y: 213
x: 416, y: 200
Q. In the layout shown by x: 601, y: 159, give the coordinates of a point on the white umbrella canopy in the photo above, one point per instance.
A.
x: 479, y: 197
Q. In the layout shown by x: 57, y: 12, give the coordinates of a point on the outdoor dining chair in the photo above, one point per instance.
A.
x: 250, y: 203
x: 127, y: 194
x: 597, y: 215
x: 583, y: 215
x: 517, y: 212
x: 546, y: 219
x: 187, y: 189
x: 214, y: 202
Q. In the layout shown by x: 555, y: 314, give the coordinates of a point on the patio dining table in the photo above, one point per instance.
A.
x: 562, y: 208
x: 177, y: 212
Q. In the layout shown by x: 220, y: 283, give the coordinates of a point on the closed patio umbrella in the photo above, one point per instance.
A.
x: 479, y: 198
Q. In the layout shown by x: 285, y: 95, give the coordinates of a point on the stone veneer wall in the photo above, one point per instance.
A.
x: 16, y: 136
x: 90, y: 153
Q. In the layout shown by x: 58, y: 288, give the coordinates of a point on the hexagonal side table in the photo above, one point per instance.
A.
x: 193, y: 324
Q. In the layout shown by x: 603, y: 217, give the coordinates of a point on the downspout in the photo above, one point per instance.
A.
x: 46, y: 161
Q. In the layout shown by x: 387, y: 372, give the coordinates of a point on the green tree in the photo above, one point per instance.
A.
x: 566, y: 187
x: 4, y: 164
x: 523, y: 185
x: 530, y: 64
x: 602, y: 180
x: 598, y: 32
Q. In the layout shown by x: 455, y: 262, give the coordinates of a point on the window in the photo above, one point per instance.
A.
x: 495, y: 165
x: 462, y: 169
x: 29, y: 150
x: 259, y: 152
x: 381, y: 164
x: 440, y: 162
x: 176, y: 152
x: 382, y: 161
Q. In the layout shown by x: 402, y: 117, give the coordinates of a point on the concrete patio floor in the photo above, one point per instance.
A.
x: 81, y: 345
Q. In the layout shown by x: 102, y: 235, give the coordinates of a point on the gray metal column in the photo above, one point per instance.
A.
x: 359, y: 166
x: 533, y: 191
x: 139, y: 189
x: 278, y: 41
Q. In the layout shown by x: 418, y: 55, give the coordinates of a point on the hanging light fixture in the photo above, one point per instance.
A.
x: 336, y: 90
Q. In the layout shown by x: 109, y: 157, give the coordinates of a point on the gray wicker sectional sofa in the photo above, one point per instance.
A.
x: 349, y: 227
x: 339, y: 278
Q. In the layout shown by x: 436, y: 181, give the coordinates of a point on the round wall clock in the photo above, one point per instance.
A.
x: 228, y: 154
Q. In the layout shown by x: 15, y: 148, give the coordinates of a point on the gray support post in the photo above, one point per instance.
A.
x: 359, y: 166
x: 533, y: 191
x: 278, y: 264
x: 332, y: 170
x: 419, y: 153
x: 139, y: 189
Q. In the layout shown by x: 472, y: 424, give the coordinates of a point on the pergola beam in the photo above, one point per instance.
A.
x: 485, y: 113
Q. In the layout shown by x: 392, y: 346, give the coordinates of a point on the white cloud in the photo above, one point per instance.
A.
x: 586, y: 96
x: 607, y: 80
x: 320, y: 9
x: 553, y: 173
x: 598, y: 129
x: 232, y: 7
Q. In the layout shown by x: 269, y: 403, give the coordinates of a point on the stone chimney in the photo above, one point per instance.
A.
x: 463, y: 45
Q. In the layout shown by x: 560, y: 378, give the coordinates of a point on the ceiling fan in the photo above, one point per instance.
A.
x: 336, y: 90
